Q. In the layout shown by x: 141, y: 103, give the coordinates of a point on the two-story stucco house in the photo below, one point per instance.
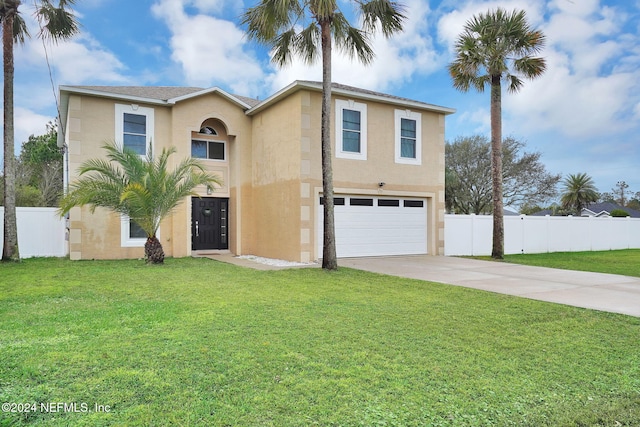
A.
x: 388, y: 161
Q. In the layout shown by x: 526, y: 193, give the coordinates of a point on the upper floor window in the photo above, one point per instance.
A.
x: 134, y: 127
x: 213, y: 150
x: 408, y: 137
x: 351, y: 130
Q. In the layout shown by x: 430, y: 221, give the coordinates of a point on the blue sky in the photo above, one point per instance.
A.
x: 583, y: 115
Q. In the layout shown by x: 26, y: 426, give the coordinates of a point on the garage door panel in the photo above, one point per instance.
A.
x: 379, y: 230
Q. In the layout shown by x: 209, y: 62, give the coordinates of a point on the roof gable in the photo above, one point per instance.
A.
x: 158, y: 95
x: 350, y: 91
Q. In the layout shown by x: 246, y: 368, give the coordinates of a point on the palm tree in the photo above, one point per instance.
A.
x: 143, y: 189
x: 56, y: 23
x: 579, y: 191
x: 300, y: 27
x: 493, y: 47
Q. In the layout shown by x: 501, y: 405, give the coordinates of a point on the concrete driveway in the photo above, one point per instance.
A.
x: 598, y: 291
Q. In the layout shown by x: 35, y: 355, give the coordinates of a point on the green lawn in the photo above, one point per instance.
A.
x: 626, y: 262
x: 200, y: 343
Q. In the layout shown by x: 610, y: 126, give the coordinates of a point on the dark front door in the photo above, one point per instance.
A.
x: 209, y: 223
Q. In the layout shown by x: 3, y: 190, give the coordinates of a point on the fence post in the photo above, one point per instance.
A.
x: 473, y: 232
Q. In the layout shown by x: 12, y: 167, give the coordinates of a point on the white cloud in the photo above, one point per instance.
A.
x: 452, y: 23
x: 205, y: 60
x: 581, y: 94
x: 480, y: 116
x: 211, y: 51
x: 397, y: 59
x: 28, y: 123
x: 216, y: 6
x: 77, y: 61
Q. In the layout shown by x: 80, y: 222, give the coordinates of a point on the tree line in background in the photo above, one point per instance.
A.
x: 39, y: 169
x: 527, y: 185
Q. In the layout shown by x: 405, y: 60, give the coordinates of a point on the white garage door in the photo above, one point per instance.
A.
x: 371, y: 226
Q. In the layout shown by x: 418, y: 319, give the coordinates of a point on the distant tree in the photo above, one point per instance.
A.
x: 308, y: 28
x: 493, y: 47
x: 28, y: 196
x: 530, y: 208
x: 451, y: 188
x: 468, y: 183
x: 620, y: 193
x: 559, y: 210
x: 143, y: 189
x: 579, y: 192
x: 606, y: 197
x: 40, y: 166
x: 634, y: 203
x: 56, y: 23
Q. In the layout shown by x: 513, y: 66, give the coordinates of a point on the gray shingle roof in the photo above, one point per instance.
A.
x: 367, y: 92
x: 165, y: 93
x: 161, y: 93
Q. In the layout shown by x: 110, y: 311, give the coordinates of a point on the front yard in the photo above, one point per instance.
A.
x: 200, y: 343
x: 625, y: 262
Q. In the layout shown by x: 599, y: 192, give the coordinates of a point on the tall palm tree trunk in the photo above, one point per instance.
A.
x: 10, y: 248
x: 496, y: 169
x: 329, y: 258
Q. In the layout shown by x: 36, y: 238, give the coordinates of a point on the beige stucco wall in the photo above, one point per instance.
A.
x: 273, y: 226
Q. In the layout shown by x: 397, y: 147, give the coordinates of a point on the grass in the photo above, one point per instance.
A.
x: 625, y: 262
x: 200, y: 343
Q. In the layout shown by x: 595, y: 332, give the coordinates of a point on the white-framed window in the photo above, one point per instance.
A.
x: 408, y: 137
x: 210, y: 150
x: 351, y: 130
x: 134, y: 127
x: 131, y: 234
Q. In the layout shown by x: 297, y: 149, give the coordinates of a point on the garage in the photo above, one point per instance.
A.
x: 375, y: 226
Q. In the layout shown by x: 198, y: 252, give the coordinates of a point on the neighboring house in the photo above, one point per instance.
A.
x: 604, y: 209
x: 599, y: 210
x: 388, y: 170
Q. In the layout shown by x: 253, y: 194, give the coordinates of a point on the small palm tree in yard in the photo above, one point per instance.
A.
x: 143, y: 189
x: 497, y: 46
x: 579, y: 191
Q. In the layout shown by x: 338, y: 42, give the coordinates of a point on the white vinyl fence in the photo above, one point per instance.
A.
x: 41, y: 232
x: 473, y: 234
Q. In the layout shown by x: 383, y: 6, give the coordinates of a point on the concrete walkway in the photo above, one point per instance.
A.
x: 598, y: 291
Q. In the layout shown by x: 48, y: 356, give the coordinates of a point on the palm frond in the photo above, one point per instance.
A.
x: 271, y: 17
x: 282, y: 47
x: 20, y: 30
x: 389, y: 15
x: 58, y: 23
x: 351, y: 40
x: 306, y: 43
x: 143, y: 189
